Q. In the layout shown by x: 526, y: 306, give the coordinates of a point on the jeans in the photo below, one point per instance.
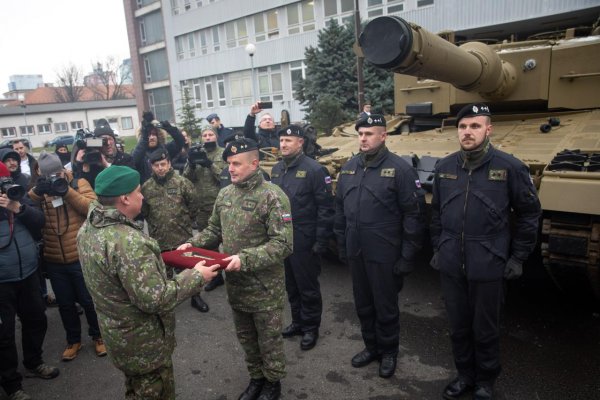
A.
x: 21, y: 298
x: 69, y: 287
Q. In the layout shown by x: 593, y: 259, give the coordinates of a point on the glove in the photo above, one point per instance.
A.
x: 168, y: 127
x: 513, y: 269
x: 319, y: 248
x: 147, y: 117
x: 42, y: 186
x: 403, y: 267
x: 205, y: 162
x: 434, y: 261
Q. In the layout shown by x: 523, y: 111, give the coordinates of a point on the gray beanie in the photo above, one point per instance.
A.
x: 49, y: 164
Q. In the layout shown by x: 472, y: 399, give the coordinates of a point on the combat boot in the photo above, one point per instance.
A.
x: 215, y: 282
x: 199, y: 304
x: 253, y: 390
x: 270, y: 391
x: 292, y: 329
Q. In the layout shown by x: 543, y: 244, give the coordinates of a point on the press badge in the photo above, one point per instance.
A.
x: 57, y: 202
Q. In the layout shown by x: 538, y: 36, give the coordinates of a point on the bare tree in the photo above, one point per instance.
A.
x: 108, y: 79
x: 70, y: 84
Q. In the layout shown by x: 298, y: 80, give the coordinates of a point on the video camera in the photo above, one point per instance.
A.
x: 91, y: 145
x: 197, y: 154
x: 13, y: 191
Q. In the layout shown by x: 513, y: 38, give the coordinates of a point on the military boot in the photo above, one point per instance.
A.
x: 215, y: 282
x: 199, y: 304
x: 270, y: 391
x: 253, y: 390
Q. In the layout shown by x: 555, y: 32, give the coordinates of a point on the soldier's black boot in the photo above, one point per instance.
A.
x: 387, y: 366
x: 292, y: 329
x: 199, y: 304
x: 253, y: 390
x: 215, y: 282
x: 309, y: 340
x: 270, y: 391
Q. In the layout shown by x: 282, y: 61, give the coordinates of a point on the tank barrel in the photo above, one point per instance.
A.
x: 391, y: 43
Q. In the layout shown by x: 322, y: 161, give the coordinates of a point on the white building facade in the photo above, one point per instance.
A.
x: 199, y: 45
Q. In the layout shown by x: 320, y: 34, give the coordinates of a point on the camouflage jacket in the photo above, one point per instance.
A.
x: 207, y: 180
x: 134, y: 299
x: 169, y: 205
x: 253, y: 220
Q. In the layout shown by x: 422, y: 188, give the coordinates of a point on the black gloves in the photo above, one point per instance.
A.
x: 513, y: 268
x: 42, y: 186
x: 147, y: 118
x: 319, y: 248
x: 166, y: 125
x: 403, y: 267
x: 204, y: 162
x: 434, y: 261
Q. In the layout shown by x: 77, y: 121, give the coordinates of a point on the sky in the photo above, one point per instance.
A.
x: 44, y: 36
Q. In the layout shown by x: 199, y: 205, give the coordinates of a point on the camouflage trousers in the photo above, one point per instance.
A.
x: 259, y: 334
x: 156, y: 385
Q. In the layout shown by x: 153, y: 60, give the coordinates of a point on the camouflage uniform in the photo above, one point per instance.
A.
x: 254, y: 221
x: 135, y: 301
x: 169, y: 205
x: 206, y: 181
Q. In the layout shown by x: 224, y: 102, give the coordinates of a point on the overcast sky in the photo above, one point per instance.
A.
x: 43, y: 36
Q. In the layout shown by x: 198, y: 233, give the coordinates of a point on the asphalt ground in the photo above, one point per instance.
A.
x: 550, y: 349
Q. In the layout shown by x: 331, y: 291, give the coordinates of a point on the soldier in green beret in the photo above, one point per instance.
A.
x: 253, y: 220
x: 134, y: 298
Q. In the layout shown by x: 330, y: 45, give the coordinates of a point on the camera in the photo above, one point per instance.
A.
x: 13, y: 191
x: 58, y: 186
x: 197, y: 154
x: 92, y: 148
x: 265, y: 104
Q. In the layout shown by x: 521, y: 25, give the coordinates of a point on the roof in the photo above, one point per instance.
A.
x: 47, y: 95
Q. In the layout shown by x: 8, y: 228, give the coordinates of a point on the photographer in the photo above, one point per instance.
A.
x: 267, y: 134
x: 20, y: 225
x: 12, y: 161
x: 180, y: 159
x: 109, y: 146
x: 152, y: 135
x: 65, y: 203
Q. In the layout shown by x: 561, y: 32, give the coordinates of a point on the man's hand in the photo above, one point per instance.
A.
x: 168, y: 127
x: 80, y: 154
x: 208, y: 272
x: 513, y: 268
x: 42, y: 186
x: 235, y: 264
x: 255, y: 109
x: 184, y: 246
x: 434, y: 261
x: 205, y: 162
x: 9, y: 204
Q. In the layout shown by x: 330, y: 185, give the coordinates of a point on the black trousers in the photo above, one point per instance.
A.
x: 22, y: 298
x: 474, y: 314
x: 302, y: 270
x: 376, y: 300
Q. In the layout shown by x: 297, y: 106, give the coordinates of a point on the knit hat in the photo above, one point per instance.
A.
x: 4, y: 172
x: 49, y: 164
x: 116, y: 180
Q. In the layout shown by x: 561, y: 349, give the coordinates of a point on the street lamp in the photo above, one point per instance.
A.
x: 250, y: 49
x: 24, y: 107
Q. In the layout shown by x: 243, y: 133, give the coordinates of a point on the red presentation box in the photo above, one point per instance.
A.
x: 191, y: 256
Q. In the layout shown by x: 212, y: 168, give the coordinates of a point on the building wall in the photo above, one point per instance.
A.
x: 202, y: 68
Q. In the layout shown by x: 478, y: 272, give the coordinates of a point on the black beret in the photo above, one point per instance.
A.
x: 473, y: 110
x: 370, y: 120
x: 158, y: 155
x: 103, y: 128
x: 238, y: 146
x: 291, y: 130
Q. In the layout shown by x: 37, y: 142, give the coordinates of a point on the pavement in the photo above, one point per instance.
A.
x: 550, y: 350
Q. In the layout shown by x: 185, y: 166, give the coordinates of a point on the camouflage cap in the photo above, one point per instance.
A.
x: 116, y: 180
x: 370, y: 120
x: 239, y: 146
x: 473, y: 110
x: 291, y: 130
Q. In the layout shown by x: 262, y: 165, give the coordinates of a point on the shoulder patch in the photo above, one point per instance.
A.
x: 497, y: 175
x: 286, y: 218
x: 447, y: 176
x: 388, y: 172
x: 300, y: 174
x: 347, y: 172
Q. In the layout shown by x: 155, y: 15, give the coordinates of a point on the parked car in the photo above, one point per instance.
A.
x: 61, y: 140
x: 9, y: 142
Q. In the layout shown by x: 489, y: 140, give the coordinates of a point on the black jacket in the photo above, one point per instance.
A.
x: 470, y: 227
x: 141, y: 153
x: 264, y: 138
x: 308, y: 186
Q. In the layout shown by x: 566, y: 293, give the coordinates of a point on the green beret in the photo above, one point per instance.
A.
x: 117, y: 180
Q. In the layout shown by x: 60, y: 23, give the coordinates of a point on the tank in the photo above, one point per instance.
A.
x: 544, y: 95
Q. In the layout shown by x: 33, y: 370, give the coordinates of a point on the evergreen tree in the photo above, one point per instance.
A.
x: 189, y: 122
x: 331, y: 78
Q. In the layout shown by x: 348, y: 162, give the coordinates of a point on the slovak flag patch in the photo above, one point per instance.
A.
x: 418, y: 184
x: 327, y: 180
x: 286, y: 217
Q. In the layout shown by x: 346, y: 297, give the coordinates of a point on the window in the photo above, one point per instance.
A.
x: 9, y: 132
x: 60, y: 127
x: 26, y: 130
x: 179, y: 47
x: 423, y: 3
x: 297, y: 72
x: 155, y: 66
x: 395, y: 6
x: 126, y: 123
x: 186, y: 4
x: 301, y: 17
x: 269, y: 20
x: 143, y: 32
x: 76, y: 125
x: 236, y: 33
x: 161, y: 103
x: 209, y: 95
x: 44, y: 129
x: 221, y: 90
x: 240, y: 85
x: 330, y: 7
x: 374, y: 8
x: 175, y: 7
x: 191, y: 44
x: 203, y: 46
x: 215, y: 37
x: 270, y: 83
x: 197, y: 93
x: 347, y: 5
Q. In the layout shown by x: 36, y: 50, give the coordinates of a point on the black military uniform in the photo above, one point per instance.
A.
x: 308, y: 186
x: 378, y: 224
x: 473, y: 244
